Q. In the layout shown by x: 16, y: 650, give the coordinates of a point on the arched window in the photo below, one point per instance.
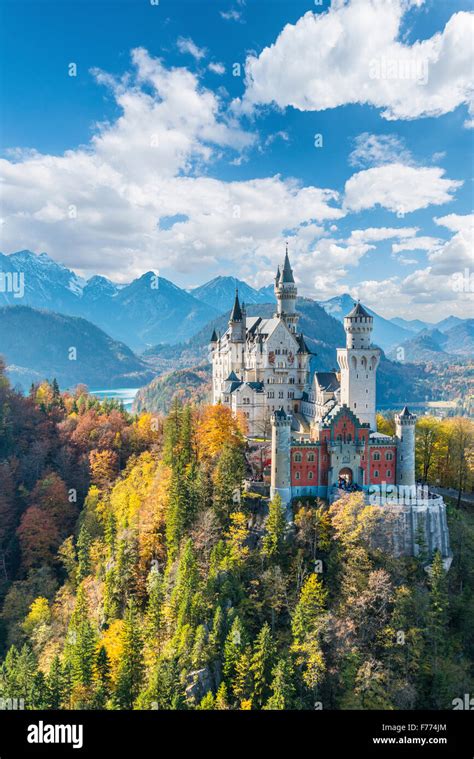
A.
x: 297, y: 457
x: 376, y: 456
x: 376, y: 473
x: 310, y: 456
x: 389, y: 474
x: 389, y: 456
x: 297, y: 475
x: 310, y: 475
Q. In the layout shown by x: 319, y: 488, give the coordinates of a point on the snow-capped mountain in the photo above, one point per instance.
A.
x: 220, y: 293
x: 46, y: 284
x: 147, y: 311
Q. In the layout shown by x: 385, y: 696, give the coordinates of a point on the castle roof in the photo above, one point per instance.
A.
x: 213, y: 336
x: 303, y: 348
x: 236, y: 315
x: 280, y: 413
x: 406, y: 413
x: 232, y: 377
x: 358, y: 310
x: 287, y: 273
x: 327, y: 381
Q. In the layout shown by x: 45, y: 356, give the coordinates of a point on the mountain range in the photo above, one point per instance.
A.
x: 40, y: 345
x: 438, y: 346
x: 149, y: 310
x: 153, y: 310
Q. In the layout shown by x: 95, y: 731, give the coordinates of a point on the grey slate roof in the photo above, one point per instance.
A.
x: 358, y: 310
x: 327, y: 381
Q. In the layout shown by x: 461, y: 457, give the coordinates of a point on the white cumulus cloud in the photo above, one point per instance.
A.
x: 352, y: 53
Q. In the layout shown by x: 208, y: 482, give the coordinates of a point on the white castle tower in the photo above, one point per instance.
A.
x: 358, y: 362
x: 281, y: 456
x: 285, y: 293
x: 405, y: 433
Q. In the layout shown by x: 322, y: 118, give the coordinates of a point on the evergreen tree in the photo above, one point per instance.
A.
x: 101, y: 678
x: 83, y: 554
x: 275, y: 529
x: 262, y: 665
x: 131, y: 669
x: 282, y: 687
x: 235, y: 643
x: 55, y: 684
x: 81, y: 641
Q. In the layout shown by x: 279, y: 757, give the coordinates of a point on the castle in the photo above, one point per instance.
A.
x: 324, y: 437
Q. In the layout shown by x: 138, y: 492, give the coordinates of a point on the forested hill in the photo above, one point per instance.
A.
x: 41, y: 344
x: 140, y: 574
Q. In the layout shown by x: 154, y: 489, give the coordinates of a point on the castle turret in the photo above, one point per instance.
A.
x: 405, y: 433
x: 281, y: 462
x: 358, y: 362
x: 237, y: 322
x: 286, y: 293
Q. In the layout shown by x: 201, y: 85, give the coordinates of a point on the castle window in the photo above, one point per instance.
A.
x: 291, y: 394
x: 389, y: 455
x: 297, y: 475
x: 376, y: 473
x: 246, y: 401
x: 376, y: 456
x: 270, y: 394
x: 297, y: 457
x: 389, y: 474
x: 310, y: 475
x: 310, y: 456
x: 280, y: 393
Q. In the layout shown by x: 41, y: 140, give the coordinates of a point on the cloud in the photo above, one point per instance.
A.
x: 137, y: 197
x: 399, y: 188
x: 417, y: 243
x: 217, y: 68
x: 442, y: 288
x: 377, y: 149
x: 456, y: 222
x: 231, y: 15
x: 186, y: 45
x: 352, y: 53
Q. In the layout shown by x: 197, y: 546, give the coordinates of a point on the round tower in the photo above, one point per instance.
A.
x: 358, y: 362
x: 281, y: 464
x: 405, y: 433
x: 286, y: 294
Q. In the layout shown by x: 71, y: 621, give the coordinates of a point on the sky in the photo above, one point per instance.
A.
x: 194, y: 137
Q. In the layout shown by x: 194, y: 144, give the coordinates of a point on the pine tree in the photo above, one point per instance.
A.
x: 131, y: 669
x: 235, y: 643
x: 81, y: 641
x: 101, y: 678
x: 282, y: 687
x: 154, y: 617
x: 55, y: 684
x: 186, y: 586
x: 242, y: 685
x: 221, y: 702
x: 275, y: 529
x: 309, y: 608
x: 83, y: 554
x: 262, y: 665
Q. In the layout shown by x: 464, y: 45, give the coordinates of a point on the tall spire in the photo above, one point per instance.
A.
x: 287, y: 274
x: 236, y: 315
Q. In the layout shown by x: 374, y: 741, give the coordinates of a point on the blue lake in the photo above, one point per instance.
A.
x: 126, y: 395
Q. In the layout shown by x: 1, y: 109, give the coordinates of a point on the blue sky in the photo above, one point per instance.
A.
x: 156, y: 129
